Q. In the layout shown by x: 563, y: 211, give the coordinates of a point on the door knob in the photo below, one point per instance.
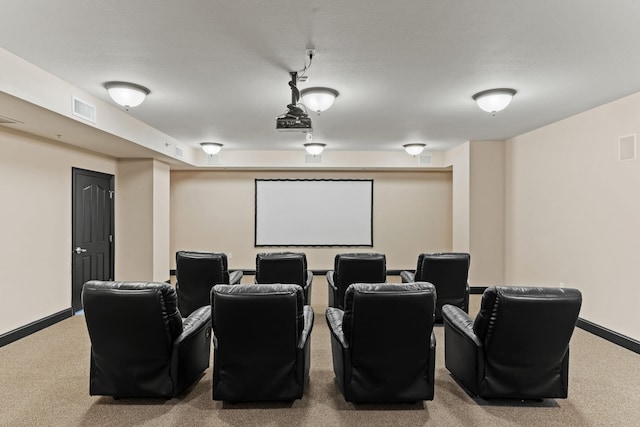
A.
x: 79, y: 250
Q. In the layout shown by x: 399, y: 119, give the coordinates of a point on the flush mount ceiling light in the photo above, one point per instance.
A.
x: 127, y: 94
x: 494, y: 100
x: 211, y: 148
x: 318, y: 98
x: 314, y: 148
x: 414, y: 149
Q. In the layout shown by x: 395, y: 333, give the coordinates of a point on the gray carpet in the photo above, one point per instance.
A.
x: 44, y: 380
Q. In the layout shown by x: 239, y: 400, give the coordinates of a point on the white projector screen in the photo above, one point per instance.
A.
x: 314, y: 212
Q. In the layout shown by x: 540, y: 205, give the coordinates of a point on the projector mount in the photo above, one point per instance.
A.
x: 295, y: 119
x: 294, y: 110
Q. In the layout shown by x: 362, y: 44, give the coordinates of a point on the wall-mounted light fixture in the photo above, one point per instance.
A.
x: 318, y: 99
x: 127, y: 94
x: 414, y: 149
x: 494, y: 100
x: 211, y: 148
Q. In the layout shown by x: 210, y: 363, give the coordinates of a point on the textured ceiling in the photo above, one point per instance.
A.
x: 406, y: 71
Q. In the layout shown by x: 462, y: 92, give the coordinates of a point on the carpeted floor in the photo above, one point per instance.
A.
x: 44, y: 380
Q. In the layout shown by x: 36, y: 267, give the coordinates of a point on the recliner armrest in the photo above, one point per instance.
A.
x: 308, y: 325
x: 307, y: 288
x: 191, y: 350
x: 235, y: 276
x: 192, y: 324
x: 407, y: 276
x: 466, y: 298
x: 330, y: 280
x: 460, y: 323
x: 463, y: 351
x: 332, y: 289
x: 309, y: 278
x: 334, y: 320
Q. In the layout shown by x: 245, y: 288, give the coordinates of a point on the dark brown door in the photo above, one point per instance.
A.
x: 92, y: 239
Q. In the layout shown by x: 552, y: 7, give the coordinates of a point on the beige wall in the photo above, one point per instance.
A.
x: 35, y: 225
x: 142, y: 220
x: 214, y: 211
x: 486, y: 208
x: 161, y: 220
x: 459, y: 159
x: 478, y: 208
x: 573, y: 212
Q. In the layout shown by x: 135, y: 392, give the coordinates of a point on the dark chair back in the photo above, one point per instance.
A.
x: 196, y: 274
x: 132, y: 327
x: 525, y: 334
x: 284, y: 267
x: 257, y: 330
x: 281, y: 267
x: 388, y: 329
x: 449, y: 273
x: 350, y: 268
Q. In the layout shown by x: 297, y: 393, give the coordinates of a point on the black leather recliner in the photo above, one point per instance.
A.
x: 196, y: 274
x: 285, y: 267
x: 449, y: 273
x: 261, y: 341
x: 350, y: 268
x: 383, y: 344
x: 518, y: 345
x: 140, y: 345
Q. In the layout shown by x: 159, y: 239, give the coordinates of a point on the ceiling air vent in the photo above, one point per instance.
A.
x: 84, y: 110
x: 627, y: 147
x: 179, y: 152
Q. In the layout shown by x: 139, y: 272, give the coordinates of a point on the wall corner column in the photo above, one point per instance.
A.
x: 479, y: 208
x: 142, y: 220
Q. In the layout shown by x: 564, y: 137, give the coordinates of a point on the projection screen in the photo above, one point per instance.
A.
x: 313, y: 212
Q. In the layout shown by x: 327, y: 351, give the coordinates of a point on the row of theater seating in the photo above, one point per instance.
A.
x: 196, y: 273
x: 382, y: 341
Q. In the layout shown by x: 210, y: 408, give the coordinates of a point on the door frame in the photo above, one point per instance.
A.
x: 74, y: 172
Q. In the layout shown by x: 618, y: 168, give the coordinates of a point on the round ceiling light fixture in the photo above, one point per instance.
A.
x: 414, y: 149
x: 211, y: 148
x: 494, y: 100
x: 314, y: 148
x: 318, y: 99
x: 127, y: 94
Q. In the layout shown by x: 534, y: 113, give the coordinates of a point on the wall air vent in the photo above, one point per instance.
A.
x: 179, y: 152
x: 310, y: 158
x: 83, y: 110
x: 424, y: 159
x: 627, y: 147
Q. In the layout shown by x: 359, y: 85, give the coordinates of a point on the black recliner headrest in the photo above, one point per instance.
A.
x: 202, y: 267
x: 281, y: 267
x: 265, y: 301
x: 388, y: 300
